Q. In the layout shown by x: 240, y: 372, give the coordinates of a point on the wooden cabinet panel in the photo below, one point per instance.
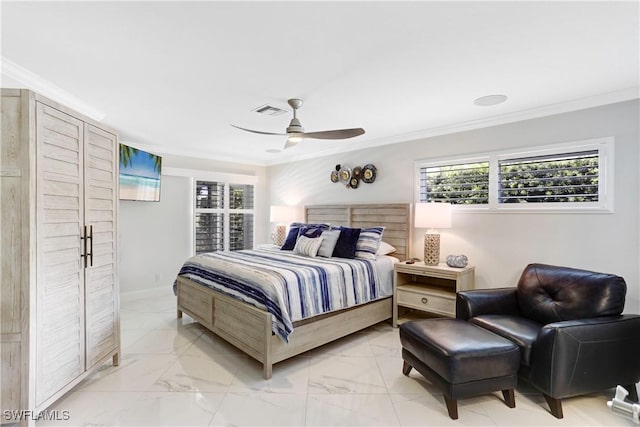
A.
x: 101, y: 160
x: 14, y: 159
x: 60, y: 277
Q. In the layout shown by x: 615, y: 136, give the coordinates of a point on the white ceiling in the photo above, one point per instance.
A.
x: 172, y: 76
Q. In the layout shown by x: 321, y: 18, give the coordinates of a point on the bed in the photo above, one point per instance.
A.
x: 251, y: 328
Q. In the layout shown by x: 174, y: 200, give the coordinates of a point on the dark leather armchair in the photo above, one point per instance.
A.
x: 568, y: 324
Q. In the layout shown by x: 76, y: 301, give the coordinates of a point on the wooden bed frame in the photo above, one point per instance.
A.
x: 249, y: 328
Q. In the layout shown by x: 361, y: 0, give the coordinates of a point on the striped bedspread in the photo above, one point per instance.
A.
x: 291, y: 287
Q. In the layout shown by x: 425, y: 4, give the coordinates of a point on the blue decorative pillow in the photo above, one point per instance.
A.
x: 292, y: 237
x: 329, y: 240
x: 294, y: 230
x: 310, y: 231
x: 346, y: 244
x: 369, y: 242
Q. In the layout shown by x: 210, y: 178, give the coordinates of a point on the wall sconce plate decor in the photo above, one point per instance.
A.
x: 369, y: 173
x: 353, y: 177
x: 345, y: 174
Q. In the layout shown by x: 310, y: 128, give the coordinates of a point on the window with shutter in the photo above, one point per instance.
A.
x: 223, y: 216
x: 458, y: 184
x: 573, y: 176
x: 554, y: 178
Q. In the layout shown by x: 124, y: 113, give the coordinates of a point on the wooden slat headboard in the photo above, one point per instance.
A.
x: 395, y: 217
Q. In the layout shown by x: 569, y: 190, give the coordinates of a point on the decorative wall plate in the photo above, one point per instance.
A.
x: 334, y: 176
x: 369, y: 173
x: 354, y: 182
x: 357, y: 172
x: 345, y: 174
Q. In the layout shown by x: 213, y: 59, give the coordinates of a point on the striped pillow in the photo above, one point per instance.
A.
x: 369, y: 242
x: 307, y: 246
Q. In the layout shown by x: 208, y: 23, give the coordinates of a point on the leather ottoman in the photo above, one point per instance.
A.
x: 461, y: 359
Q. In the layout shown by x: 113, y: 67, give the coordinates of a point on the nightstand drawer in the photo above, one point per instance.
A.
x: 426, y: 301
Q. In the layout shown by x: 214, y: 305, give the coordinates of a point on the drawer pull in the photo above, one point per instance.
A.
x: 424, y: 300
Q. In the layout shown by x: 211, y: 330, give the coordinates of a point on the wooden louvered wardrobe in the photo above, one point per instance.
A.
x: 59, y: 280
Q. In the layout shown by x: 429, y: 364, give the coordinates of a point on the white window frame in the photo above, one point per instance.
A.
x: 605, y: 203
x: 227, y: 179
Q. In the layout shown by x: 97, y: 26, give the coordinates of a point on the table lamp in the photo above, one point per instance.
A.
x: 281, y: 215
x: 432, y: 216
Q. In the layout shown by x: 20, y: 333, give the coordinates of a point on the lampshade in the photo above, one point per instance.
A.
x: 433, y: 215
x: 281, y: 214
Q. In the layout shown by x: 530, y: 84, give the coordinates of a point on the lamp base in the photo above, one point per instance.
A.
x: 431, y: 249
x: 279, y: 234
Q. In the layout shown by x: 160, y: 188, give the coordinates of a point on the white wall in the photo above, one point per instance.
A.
x: 155, y: 237
x: 501, y: 244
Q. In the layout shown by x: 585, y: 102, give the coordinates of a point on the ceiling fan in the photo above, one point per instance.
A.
x: 295, y: 132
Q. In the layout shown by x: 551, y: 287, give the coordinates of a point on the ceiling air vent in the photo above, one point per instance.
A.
x: 270, y: 110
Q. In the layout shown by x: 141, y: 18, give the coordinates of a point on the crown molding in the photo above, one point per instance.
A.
x: 44, y: 87
x: 200, y: 154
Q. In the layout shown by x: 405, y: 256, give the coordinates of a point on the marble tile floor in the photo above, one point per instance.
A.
x: 175, y: 373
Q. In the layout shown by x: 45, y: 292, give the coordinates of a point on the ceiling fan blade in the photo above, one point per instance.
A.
x: 334, y: 134
x: 258, y: 131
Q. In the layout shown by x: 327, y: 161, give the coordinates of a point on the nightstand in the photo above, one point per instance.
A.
x: 429, y: 288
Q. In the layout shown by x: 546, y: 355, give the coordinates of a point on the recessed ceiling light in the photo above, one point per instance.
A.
x: 273, y: 150
x: 485, y: 101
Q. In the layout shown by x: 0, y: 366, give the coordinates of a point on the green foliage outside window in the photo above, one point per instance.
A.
x: 550, y: 180
x: 568, y: 177
x: 463, y: 184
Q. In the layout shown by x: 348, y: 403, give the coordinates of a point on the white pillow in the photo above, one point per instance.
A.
x: 385, y: 249
x: 329, y: 240
x: 307, y: 246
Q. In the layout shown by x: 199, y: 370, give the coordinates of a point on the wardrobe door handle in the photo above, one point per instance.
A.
x: 90, y: 254
x: 84, y: 245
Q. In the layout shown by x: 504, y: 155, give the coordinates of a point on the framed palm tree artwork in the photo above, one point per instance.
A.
x: 140, y: 174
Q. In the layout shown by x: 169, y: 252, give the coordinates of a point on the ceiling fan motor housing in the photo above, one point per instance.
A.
x: 295, y: 126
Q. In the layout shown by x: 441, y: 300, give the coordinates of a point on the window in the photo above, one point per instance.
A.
x: 458, y: 184
x: 240, y: 217
x: 555, y: 178
x: 571, y: 176
x: 223, y: 216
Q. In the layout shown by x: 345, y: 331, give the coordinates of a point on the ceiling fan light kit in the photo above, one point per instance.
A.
x: 295, y: 132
